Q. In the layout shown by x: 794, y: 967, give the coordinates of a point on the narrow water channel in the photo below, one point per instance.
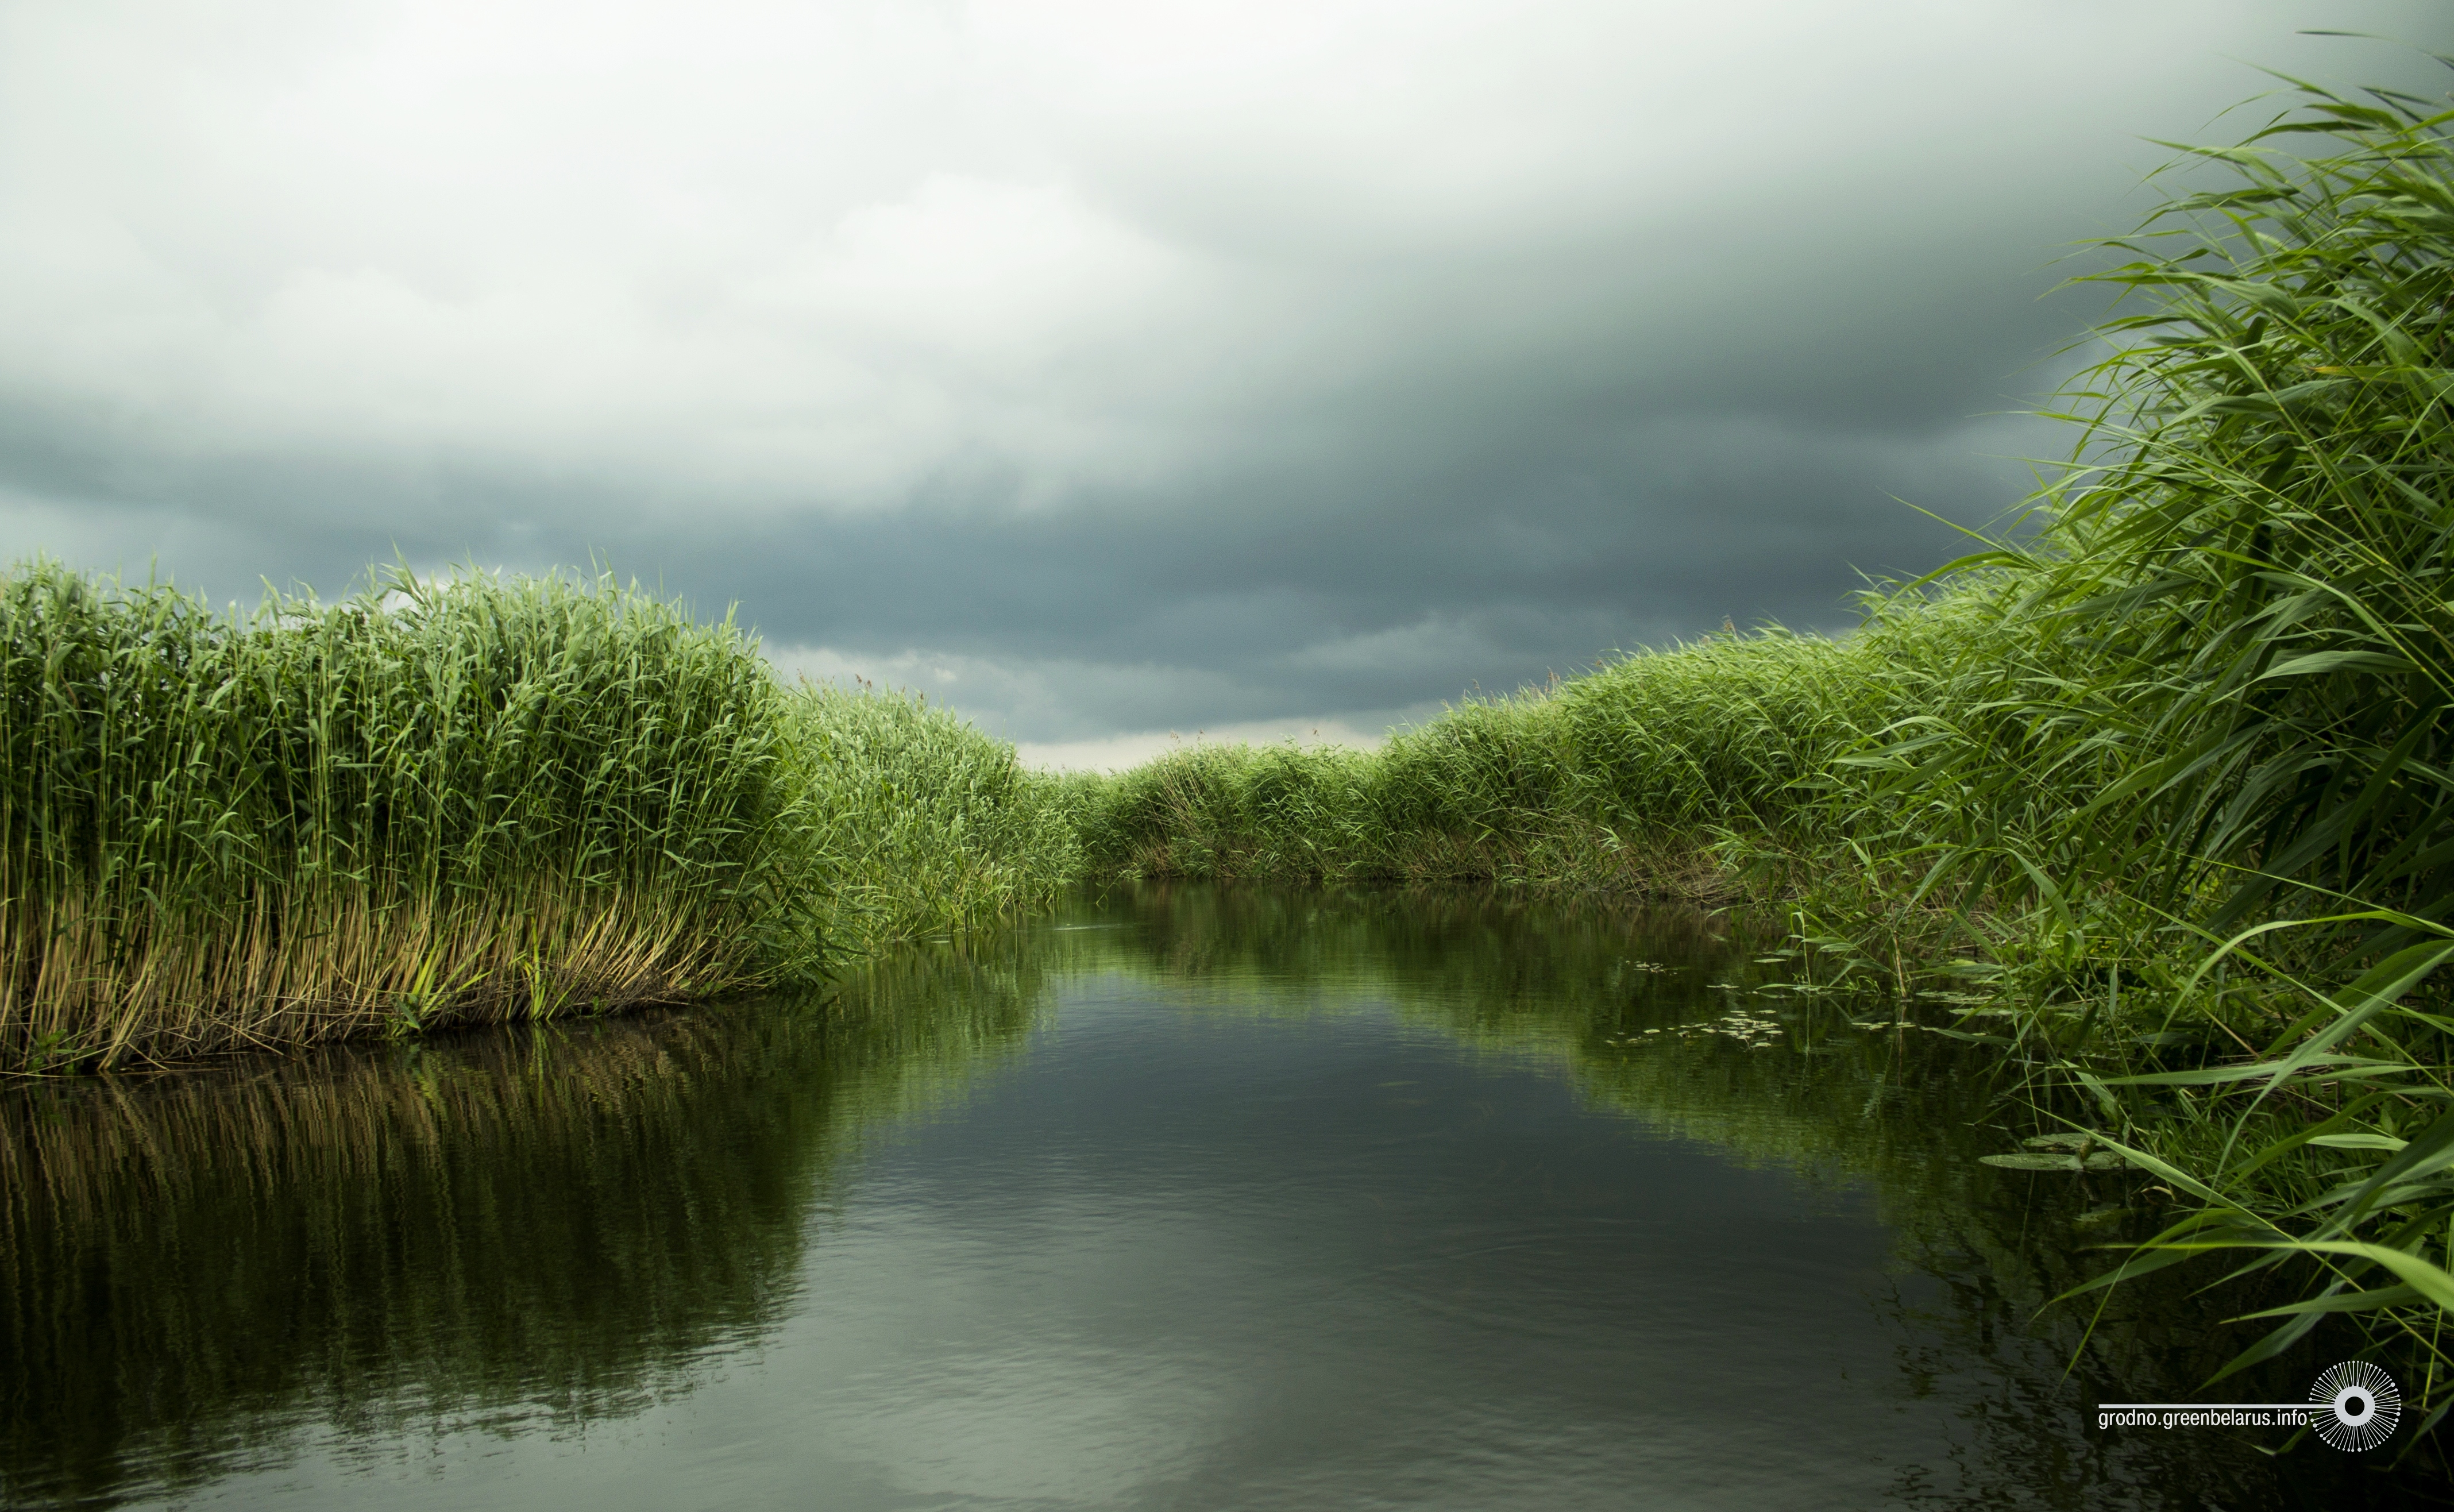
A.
x: 1182, y: 1199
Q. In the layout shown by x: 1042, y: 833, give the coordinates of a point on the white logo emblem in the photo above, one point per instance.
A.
x: 2358, y: 1405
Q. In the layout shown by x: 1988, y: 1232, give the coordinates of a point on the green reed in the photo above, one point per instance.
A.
x: 1620, y: 779
x: 924, y: 824
x: 2250, y: 565
x: 434, y: 802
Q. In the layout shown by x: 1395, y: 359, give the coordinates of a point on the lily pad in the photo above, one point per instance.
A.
x: 2074, y: 1141
x: 2102, y: 1161
x: 2033, y: 1162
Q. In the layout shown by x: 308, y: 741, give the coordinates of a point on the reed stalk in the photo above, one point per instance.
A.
x: 435, y: 802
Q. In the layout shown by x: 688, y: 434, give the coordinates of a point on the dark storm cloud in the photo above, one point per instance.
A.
x: 1099, y: 368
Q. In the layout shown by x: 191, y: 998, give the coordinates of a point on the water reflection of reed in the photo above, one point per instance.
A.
x: 558, y: 1220
x: 1484, y: 956
x: 1980, y: 1257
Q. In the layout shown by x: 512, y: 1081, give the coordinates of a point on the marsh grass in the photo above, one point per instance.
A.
x: 2255, y: 579
x: 1663, y: 773
x: 925, y: 826
x: 458, y: 801
x: 434, y: 803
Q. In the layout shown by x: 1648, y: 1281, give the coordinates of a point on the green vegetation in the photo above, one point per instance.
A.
x: 479, y: 801
x: 442, y: 803
x: 447, y: 804
x: 926, y: 824
x: 1622, y: 779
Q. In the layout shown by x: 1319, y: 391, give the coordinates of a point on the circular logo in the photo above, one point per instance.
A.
x: 2358, y: 1406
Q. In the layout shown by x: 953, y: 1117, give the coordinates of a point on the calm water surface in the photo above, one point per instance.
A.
x: 1184, y: 1198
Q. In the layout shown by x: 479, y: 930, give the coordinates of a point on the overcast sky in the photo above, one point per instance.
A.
x: 1103, y: 368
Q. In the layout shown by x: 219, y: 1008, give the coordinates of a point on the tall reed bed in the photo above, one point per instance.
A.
x: 1624, y: 779
x: 473, y: 801
x: 2250, y: 565
x: 923, y: 824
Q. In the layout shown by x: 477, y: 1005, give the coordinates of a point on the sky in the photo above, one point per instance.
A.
x: 1112, y: 373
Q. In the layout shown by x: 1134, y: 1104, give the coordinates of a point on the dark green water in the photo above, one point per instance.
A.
x: 1181, y: 1199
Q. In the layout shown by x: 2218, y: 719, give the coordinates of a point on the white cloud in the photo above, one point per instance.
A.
x: 1357, y: 732
x: 1020, y: 696
x: 814, y: 251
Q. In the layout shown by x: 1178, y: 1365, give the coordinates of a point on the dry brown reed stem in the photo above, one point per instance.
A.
x: 334, y: 965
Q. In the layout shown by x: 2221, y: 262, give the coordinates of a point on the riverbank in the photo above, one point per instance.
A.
x: 2154, y: 795
x: 441, y: 803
